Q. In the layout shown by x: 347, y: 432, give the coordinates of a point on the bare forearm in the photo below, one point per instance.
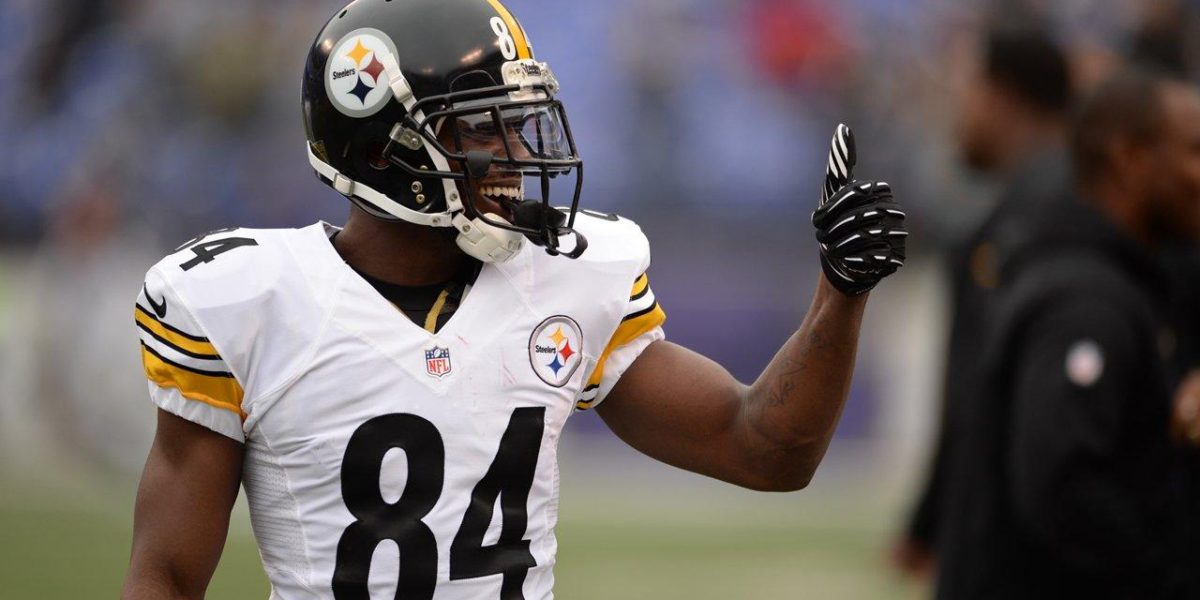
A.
x: 146, y: 586
x: 181, y: 517
x: 791, y: 411
x: 174, y: 556
x: 685, y: 410
x: 174, y: 552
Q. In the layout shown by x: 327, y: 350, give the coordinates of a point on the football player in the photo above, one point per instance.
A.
x: 391, y: 393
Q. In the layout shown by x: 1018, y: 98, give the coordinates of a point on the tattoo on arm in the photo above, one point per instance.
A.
x: 780, y: 392
x: 795, y: 365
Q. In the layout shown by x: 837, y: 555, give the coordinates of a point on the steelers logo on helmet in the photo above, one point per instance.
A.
x: 555, y: 350
x: 355, y: 80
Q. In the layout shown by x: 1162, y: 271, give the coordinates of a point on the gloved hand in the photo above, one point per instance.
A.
x: 860, y: 227
x: 862, y: 235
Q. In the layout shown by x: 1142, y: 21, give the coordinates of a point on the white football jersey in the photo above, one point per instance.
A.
x: 384, y: 460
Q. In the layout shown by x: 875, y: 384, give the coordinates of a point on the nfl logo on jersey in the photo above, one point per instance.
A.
x: 437, y: 362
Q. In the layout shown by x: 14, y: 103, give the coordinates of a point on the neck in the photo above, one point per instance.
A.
x: 1028, y: 138
x: 399, y: 252
x: 1121, y: 207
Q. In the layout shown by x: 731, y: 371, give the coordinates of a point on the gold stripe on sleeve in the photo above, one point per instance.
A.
x: 215, y: 389
x: 586, y: 404
x: 190, y: 344
x: 639, y: 286
x: 629, y: 330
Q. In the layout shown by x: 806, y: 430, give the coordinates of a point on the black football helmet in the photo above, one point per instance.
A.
x: 417, y: 110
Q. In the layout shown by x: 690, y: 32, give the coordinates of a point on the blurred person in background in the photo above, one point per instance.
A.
x: 458, y: 321
x: 71, y: 185
x: 89, y: 207
x: 1184, y: 272
x: 655, y: 37
x: 1067, y: 481
x: 1011, y: 126
x: 1184, y: 269
x: 1185, y: 419
x: 1167, y: 37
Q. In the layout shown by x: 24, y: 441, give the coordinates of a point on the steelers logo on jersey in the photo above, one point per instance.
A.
x: 354, y: 76
x: 555, y: 350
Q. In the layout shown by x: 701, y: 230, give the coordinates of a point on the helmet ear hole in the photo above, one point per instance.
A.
x: 366, y: 147
x: 375, y: 157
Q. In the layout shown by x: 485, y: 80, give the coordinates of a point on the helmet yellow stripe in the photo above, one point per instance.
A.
x: 524, y: 50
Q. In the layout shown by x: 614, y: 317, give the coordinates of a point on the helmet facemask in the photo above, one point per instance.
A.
x: 496, y: 136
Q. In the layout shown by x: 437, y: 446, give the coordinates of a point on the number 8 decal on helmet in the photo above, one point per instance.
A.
x: 508, y: 46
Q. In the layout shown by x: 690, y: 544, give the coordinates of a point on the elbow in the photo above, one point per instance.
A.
x: 788, y: 467
x: 779, y: 476
x: 159, y: 583
x: 781, y: 458
x: 792, y: 484
x: 793, y: 481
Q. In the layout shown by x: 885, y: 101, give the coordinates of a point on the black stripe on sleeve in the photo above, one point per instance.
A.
x: 151, y: 316
x: 644, y: 311
x: 225, y: 374
x: 177, y: 348
x: 641, y: 294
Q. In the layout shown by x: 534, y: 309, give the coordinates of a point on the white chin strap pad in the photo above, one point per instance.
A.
x: 485, y: 242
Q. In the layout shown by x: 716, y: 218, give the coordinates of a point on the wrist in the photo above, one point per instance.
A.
x: 828, y: 292
x: 843, y: 282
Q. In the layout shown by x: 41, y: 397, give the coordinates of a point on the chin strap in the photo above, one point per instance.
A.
x: 353, y: 189
x: 532, y: 214
x: 476, y: 237
x: 485, y: 242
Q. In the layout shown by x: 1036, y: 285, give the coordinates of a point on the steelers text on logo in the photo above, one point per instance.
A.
x: 556, y: 350
x: 355, y: 78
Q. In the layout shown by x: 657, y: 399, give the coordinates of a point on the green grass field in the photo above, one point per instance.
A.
x: 645, y: 539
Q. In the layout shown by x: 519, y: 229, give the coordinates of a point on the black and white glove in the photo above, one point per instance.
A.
x: 860, y: 227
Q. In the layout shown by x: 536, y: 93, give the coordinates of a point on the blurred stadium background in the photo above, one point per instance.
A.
x: 128, y: 126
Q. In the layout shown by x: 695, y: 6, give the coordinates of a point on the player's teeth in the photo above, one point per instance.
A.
x: 511, y: 192
x: 496, y: 191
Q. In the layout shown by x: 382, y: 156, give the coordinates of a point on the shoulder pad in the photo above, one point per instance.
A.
x: 224, y: 267
x: 248, y: 293
x: 612, y: 238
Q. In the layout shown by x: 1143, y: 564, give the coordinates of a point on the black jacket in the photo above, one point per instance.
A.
x: 973, y: 265
x: 1064, y: 483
